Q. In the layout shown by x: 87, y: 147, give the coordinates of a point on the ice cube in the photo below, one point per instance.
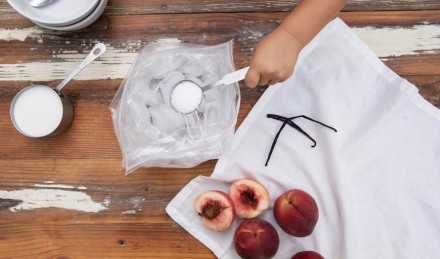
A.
x: 166, y: 65
x: 191, y: 69
x: 166, y: 120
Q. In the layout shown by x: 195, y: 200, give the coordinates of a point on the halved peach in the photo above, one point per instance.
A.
x: 216, y: 209
x: 250, y: 198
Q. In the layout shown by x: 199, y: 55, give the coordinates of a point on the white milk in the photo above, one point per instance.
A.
x: 37, y: 111
x: 186, y: 97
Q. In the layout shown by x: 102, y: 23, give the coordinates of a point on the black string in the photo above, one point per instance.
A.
x: 289, y: 121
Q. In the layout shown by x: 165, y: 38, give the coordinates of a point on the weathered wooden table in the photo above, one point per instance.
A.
x: 67, y: 196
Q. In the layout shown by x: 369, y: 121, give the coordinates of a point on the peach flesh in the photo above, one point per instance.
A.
x: 256, y: 238
x: 296, y: 212
x: 216, y: 209
x: 250, y: 198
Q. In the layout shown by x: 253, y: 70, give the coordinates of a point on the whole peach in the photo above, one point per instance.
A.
x: 307, y: 255
x: 296, y: 212
x: 256, y: 239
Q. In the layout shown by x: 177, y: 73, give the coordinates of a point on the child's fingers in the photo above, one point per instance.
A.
x: 252, y: 78
x: 264, y: 80
x: 272, y: 82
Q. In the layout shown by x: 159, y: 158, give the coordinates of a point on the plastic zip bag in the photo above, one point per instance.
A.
x: 150, y: 133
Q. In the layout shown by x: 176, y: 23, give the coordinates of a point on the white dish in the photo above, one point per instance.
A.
x: 93, y: 16
x: 59, y: 13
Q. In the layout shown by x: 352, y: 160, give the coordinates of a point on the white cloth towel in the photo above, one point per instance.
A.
x: 376, y: 180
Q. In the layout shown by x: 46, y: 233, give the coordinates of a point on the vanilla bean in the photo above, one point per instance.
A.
x: 275, y: 141
x: 290, y: 122
x: 293, y: 125
x: 310, y: 119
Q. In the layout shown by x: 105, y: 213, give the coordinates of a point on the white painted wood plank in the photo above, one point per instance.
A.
x: 401, y: 41
x: 387, y: 42
x: 67, y: 197
x: 39, y: 198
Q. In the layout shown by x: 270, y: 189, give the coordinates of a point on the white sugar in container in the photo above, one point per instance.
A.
x: 40, y: 111
x: 186, y: 97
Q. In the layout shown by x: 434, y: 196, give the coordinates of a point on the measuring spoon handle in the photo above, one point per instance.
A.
x: 228, y: 79
x: 97, y: 51
x: 235, y: 76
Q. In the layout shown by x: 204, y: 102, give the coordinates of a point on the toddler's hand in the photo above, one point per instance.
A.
x: 273, y: 59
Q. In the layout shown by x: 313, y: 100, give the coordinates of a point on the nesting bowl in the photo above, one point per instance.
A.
x: 62, y: 15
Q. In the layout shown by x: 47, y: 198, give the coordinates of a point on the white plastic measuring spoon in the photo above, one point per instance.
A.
x: 186, y: 95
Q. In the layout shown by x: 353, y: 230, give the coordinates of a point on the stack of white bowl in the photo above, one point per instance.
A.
x: 62, y: 15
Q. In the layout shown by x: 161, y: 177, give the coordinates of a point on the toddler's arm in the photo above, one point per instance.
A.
x: 275, y: 56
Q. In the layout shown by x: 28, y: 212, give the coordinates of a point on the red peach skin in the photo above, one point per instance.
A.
x: 256, y: 239
x: 307, y: 255
x: 296, y: 212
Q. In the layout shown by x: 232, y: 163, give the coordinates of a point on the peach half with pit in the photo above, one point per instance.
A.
x: 216, y: 210
x: 296, y: 212
x: 250, y: 197
x: 256, y: 238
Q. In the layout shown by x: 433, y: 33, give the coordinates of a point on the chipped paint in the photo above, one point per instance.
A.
x: 106, y: 202
x: 53, y: 198
x: 169, y: 40
x: 253, y: 35
x: 386, y: 42
x: 114, y: 64
x: 401, y: 41
x: 136, y: 201
x: 21, y: 34
x: 59, y: 186
x: 129, y: 212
